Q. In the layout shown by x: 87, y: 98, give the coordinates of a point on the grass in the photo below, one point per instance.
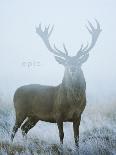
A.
x: 97, y: 134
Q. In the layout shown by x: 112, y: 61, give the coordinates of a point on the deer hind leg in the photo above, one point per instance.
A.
x: 30, y: 123
x: 19, y: 120
x: 61, y: 132
x: 76, y: 123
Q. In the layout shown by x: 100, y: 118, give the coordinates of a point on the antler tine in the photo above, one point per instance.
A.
x: 46, y: 31
x: 40, y: 26
x: 85, y: 47
x: 59, y: 51
x: 45, y: 34
x: 49, y: 34
x: 98, y: 25
x: 48, y: 27
x: 90, y: 31
x: 84, y: 58
x: 81, y: 50
x: 91, y: 26
x: 66, y: 51
x: 94, y: 34
x: 38, y: 30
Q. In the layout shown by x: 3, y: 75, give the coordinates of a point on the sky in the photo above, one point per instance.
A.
x: 20, y: 44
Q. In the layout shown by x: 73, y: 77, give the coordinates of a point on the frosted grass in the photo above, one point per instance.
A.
x: 97, y: 133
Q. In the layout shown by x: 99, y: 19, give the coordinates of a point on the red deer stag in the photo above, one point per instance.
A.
x: 56, y: 104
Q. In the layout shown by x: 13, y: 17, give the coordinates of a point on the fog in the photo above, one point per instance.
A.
x: 19, y: 43
x: 25, y: 60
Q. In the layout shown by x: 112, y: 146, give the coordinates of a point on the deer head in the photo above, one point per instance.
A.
x: 71, y: 63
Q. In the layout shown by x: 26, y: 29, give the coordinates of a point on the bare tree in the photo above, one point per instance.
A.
x: 63, y: 103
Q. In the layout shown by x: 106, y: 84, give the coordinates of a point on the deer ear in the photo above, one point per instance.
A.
x: 60, y: 60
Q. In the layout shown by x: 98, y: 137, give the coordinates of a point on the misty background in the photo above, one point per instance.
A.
x: 20, y: 44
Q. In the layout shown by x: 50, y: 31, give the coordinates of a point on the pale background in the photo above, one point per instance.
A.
x: 19, y: 43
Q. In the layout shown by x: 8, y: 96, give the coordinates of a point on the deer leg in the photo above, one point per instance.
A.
x: 30, y: 123
x: 18, y: 122
x: 61, y: 133
x: 76, y: 124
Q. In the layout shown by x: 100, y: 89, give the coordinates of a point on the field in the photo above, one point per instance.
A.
x: 97, y: 133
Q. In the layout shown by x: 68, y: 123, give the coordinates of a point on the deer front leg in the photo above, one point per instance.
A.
x: 61, y: 133
x: 76, y: 123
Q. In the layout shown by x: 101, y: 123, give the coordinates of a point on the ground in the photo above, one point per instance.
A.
x: 97, y: 133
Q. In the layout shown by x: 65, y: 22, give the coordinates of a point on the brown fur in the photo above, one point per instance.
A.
x: 63, y: 103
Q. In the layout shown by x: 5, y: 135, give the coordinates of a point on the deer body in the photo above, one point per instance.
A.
x: 48, y: 103
x: 63, y: 103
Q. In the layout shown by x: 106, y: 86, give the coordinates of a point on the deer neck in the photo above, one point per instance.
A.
x: 74, y: 81
x: 73, y: 87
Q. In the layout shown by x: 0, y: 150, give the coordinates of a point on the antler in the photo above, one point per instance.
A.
x: 94, y: 34
x: 45, y: 34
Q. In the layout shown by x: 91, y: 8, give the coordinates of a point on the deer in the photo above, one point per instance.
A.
x: 56, y: 104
